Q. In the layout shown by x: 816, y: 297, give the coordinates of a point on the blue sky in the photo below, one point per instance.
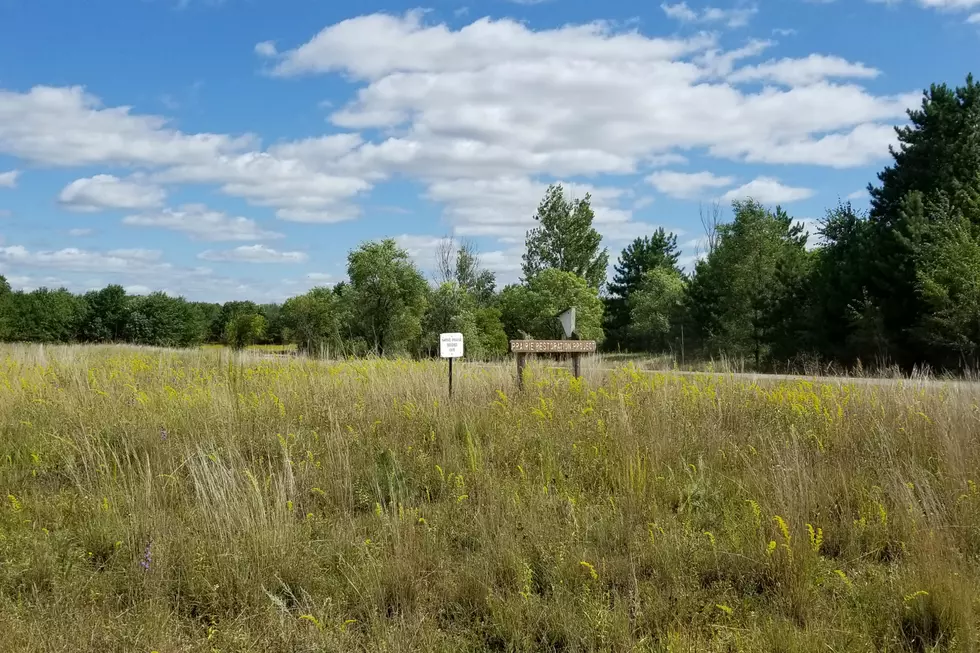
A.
x: 226, y: 149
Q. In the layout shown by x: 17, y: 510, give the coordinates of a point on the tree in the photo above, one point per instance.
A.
x: 452, y: 310
x: 938, y: 157
x: 161, y: 321
x: 949, y: 281
x: 460, y: 263
x: 273, y: 324
x: 733, y: 291
x: 388, y: 296
x: 244, y: 329
x: 939, y: 150
x: 533, y: 309
x: 44, y: 315
x: 227, y: 311
x: 639, y: 257
x: 655, y: 307
x: 838, y: 284
x: 5, y: 308
x: 106, y: 315
x: 565, y: 239
x: 312, y: 321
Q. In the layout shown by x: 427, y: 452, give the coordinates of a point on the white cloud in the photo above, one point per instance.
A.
x: 943, y: 5
x: 266, y: 49
x: 858, y: 195
x: 807, y: 70
x: 72, y: 259
x: 102, y: 192
x: 80, y: 231
x: 767, y: 190
x: 495, y: 99
x: 9, y: 179
x: 69, y: 127
x: 505, y: 206
x: 685, y: 185
x: 253, y: 254
x: 321, y: 278
x: 734, y: 17
x: 200, y: 223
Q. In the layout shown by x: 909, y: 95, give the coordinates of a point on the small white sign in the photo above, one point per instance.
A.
x: 450, y: 345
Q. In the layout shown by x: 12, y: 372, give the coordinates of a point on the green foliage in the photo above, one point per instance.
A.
x: 565, y: 239
x: 244, y: 329
x: 736, y: 288
x: 312, y: 321
x: 949, y: 281
x: 658, y: 250
x: 655, y: 308
x: 44, y: 315
x: 106, y: 316
x: 387, y: 297
x: 161, y: 321
x: 533, y: 309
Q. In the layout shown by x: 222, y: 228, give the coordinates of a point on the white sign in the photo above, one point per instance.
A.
x: 450, y: 345
x: 568, y: 321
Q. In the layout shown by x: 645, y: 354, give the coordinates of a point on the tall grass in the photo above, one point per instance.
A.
x: 208, y: 501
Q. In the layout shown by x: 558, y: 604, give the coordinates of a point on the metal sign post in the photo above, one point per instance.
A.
x: 450, y: 346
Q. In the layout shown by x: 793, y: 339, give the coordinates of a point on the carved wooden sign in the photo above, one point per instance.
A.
x: 553, y: 346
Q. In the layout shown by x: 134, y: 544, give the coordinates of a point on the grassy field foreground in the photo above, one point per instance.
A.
x: 158, y: 501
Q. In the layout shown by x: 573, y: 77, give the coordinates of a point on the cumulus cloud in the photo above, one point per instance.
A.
x: 493, y: 98
x: 103, y: 192
x: 70, y: 127
x: 73, y: 259
x: 9, y: 179
x: 253, y: 254
x: 200, y: 223
x: 687, y: 185
x: 768, y: 190
x: 808, y: 70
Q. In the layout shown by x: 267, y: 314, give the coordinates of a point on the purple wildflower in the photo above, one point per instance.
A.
x: 147, y: 557
x: 163, y: 434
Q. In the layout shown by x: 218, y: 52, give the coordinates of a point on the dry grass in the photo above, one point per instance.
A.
x: 159, y: 501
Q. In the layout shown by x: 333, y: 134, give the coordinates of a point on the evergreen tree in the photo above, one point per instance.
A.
x: 656, y: 251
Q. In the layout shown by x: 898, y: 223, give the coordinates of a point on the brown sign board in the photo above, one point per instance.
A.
x: 552, y: 346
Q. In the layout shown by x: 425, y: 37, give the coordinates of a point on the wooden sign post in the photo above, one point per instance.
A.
x: 450, y: 346
x: 574, y: 347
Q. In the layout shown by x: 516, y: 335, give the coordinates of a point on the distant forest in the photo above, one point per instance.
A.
x: 898, y: 284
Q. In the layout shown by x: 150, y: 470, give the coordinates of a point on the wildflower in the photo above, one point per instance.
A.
x: 147, y: 557
x: 163, y: 434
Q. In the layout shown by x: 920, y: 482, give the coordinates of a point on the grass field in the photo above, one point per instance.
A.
x: 203, y: 501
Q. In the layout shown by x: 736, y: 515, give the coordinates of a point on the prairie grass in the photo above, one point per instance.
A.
x: 217, y: 502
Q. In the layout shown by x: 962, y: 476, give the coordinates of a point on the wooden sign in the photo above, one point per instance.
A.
x: 574, y: 347
x: 553, y: 346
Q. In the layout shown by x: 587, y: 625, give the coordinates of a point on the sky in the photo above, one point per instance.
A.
x: 238, y: 149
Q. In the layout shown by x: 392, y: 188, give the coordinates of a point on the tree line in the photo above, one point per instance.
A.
x: 896, y: 284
